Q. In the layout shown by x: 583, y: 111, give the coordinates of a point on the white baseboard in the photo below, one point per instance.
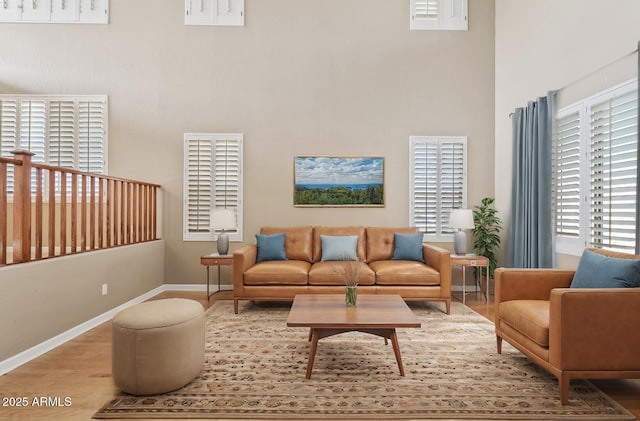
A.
x: 17, y: 360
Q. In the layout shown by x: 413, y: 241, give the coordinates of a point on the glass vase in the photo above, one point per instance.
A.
x: 351, y: 295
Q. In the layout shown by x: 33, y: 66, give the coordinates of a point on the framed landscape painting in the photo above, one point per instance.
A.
x: 338, y: 181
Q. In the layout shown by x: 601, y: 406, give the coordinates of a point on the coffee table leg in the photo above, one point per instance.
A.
x: 312, y: 352
x: 396, y: 350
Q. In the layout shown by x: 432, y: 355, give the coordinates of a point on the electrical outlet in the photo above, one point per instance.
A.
x: 105, y: 289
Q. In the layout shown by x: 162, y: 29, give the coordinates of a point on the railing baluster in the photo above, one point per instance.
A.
x: 92, y: 213
x: 145, y: 213
x: 83, y: 210
x: 116, y: 219
x: 63, y: 213
x: 38, y: 219
x: 51, y: 232
x: 123, y: 212
x: 108, y: 217
x: 134, y: 213
x: 100, y: 213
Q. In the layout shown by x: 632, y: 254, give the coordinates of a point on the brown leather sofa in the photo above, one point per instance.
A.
x: 305, y: 273
x: 573, y: 333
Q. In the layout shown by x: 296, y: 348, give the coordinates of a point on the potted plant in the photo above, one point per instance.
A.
x: 486, y: 238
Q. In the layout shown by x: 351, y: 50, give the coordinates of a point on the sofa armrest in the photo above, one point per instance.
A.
x: 243, y: 259
x: 439, y: 259
x: 529, y: 284
x: 594, y: 329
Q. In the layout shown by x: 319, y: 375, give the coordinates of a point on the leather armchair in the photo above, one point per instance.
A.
x: 570, y: 332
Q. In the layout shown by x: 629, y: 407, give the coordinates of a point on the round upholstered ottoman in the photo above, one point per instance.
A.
x: 158, y: 346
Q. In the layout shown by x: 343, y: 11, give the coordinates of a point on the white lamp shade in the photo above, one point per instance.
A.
x: 461, y: 219
x: 223, y: 219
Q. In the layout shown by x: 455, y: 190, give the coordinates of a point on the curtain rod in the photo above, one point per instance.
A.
x: 594, y: 72
x: 598, y: 69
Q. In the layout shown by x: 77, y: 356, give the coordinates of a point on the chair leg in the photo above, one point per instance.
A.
x: 235, y: 306
x: 499, y: 344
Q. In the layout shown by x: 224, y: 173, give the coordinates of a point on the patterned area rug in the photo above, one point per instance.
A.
x: 255, y: 368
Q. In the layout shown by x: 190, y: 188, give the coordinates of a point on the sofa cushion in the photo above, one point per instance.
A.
x: 338, y: 231
x: 408, y: 247
x: 278, y: 272
x: 404, y: 272
x: 330, y: 273
x: 529, y: 317
x: 298, y: 242
x: 339, y: 247
x: 598, y: 271
x: 380, y: 242
x: 270, y: 247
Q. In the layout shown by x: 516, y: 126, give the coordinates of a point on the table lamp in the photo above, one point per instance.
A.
x: 460, y: 219
x: 223, y: 219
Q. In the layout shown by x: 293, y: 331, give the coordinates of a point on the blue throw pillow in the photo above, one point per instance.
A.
x: 408, y: 247
x: 270, y: 247
x: 598, y: 271
x: 336, y: 247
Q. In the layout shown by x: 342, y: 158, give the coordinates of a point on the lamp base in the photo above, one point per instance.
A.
x: 223, y: 243
x: 460, y: 242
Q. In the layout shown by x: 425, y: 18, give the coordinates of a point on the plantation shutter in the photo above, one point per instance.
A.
x: 214, y: 12
x: 93, y: 11
x: 61, y: 130
x: 199, y: 174
x: 8, y: 134
x: 213, y: 178
x: 62, y: 123
x: 33, y: 125
x: 425, y: 186
x: 91, y: 136
x: 438, y: 182
x: 8, y: 126
x: 425, y: 9
x: 613, y: 172
x: 566, y: 175
x: 227, y: 173
x: 438, y: 14
x: 452, y: 180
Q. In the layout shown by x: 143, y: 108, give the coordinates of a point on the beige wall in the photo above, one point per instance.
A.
x: 42, y: 299
x: 330, y: 77
x: 545, y: 45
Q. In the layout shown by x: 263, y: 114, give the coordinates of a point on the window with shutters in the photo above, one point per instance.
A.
x: 212, y: 179
x: 62, y: 131
x: 438, y: 183
x: 55, y: 11
x: 439, y: 14
x: 595, y: 172
x: 214, y: 12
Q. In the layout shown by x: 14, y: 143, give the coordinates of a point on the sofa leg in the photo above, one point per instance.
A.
x: 235, y: 306
x: 563, y: 385
x: 448, y: 306
x: 499, y: 344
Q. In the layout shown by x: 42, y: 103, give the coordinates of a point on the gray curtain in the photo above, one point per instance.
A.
x: 531, y: 224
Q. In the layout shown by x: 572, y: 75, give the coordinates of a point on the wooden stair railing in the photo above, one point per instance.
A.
x: 70, y: 211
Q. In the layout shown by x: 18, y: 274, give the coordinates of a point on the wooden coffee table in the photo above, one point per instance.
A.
x: 327, y: 315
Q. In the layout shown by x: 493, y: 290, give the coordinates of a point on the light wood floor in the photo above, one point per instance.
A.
x: 80, y: 372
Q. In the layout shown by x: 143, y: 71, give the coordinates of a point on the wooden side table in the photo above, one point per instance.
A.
x: 471, y: 261
x: 215, y: 259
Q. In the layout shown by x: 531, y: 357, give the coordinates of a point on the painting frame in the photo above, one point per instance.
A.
x: 338, y: 181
